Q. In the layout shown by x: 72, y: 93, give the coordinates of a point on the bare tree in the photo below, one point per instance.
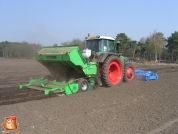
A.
x: 157, y: 42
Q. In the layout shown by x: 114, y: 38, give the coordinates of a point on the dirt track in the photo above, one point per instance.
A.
x: 136, y: 107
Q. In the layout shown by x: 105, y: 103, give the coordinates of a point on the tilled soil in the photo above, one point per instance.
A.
x: 15, y: 72
x: 13, y: 95
x: 136, y: 107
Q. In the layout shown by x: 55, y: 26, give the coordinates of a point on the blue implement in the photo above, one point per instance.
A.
x: 145, y: 75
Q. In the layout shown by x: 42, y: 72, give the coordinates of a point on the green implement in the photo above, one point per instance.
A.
x: 54, y: 86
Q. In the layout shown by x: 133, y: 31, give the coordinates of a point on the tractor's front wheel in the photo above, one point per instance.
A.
x: 129, y: 73
x: 83, y: 85
x: 112, y: 71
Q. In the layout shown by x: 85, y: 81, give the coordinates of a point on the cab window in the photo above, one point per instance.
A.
x: 111, y: 45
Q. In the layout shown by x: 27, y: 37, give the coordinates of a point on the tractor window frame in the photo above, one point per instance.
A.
x: 111, y: 46
x: 104, y: 45
x: 93, y: 45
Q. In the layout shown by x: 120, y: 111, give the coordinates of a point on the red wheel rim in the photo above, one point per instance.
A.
x: 130, y: 73
x: 114, y: 72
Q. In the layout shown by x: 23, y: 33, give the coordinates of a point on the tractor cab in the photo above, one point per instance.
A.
x: 101, y: 44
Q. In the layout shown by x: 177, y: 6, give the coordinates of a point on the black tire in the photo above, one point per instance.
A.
x: 112, y: 63
x: 129, y: 73
x: 83, y: 85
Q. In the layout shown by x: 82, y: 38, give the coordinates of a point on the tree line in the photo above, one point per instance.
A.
x: 21, y: 50
x: 154, y: 47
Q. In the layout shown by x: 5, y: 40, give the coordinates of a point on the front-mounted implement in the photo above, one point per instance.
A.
x: 52, y: 86
x: 73, y: 70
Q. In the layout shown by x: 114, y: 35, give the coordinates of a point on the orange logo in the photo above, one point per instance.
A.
x: 10, y: 124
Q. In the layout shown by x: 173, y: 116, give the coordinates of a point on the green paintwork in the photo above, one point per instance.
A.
x: 122, y: 60
x: 61, y: 58
x: 50, y: 86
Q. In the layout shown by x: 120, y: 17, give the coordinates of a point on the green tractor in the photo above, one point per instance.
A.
x: 75, y: 71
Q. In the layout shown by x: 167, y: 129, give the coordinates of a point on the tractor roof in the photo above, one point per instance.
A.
x: 99, y: 37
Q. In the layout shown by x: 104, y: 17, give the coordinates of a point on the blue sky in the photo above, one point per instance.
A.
x: 56, y: 21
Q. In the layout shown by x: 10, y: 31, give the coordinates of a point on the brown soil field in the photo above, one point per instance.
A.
x: 138, y: 107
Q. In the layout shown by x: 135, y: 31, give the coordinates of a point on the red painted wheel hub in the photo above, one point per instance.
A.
x: 114, y: 72
x: 130, y: 73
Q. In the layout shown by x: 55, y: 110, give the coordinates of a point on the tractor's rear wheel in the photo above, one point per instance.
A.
x: 129, y: 73
x: 112, y: 71
x: 83, y: 85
